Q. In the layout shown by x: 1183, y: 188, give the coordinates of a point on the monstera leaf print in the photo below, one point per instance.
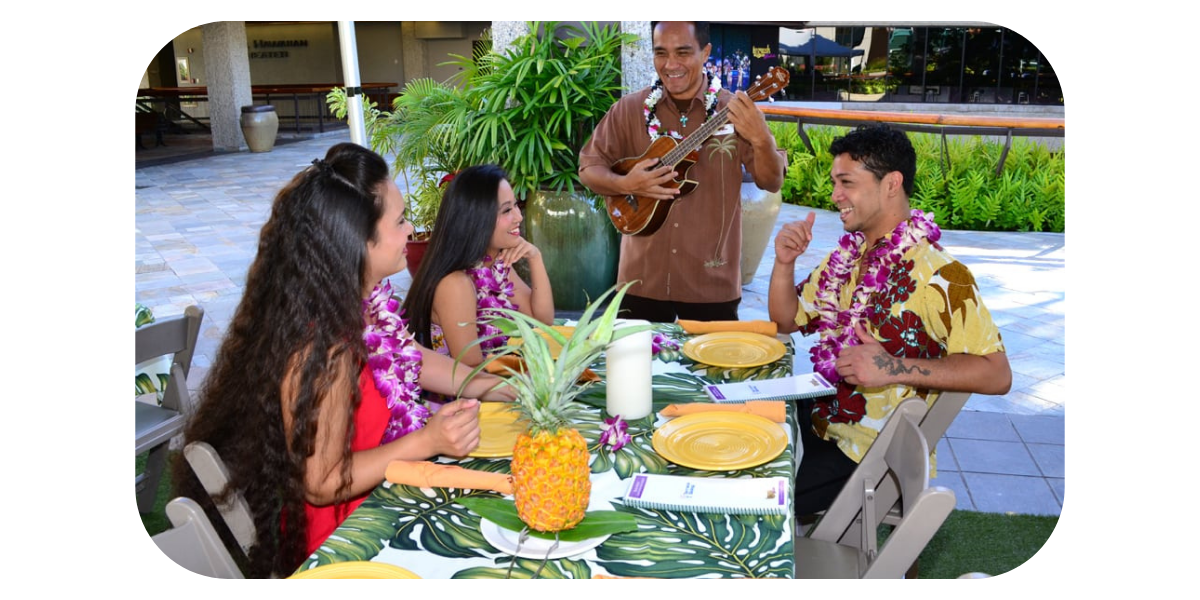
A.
x: 410, y: 518
x: 526, y: 568
x: 673, y: 544
x: 637, y: 456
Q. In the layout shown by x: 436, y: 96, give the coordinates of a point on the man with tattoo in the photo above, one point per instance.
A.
x: 896, y: 315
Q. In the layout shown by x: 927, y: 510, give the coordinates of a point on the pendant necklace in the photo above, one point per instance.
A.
x: 656, y: 94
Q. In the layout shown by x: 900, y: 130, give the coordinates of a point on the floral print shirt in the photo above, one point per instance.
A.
x: 931, y: 308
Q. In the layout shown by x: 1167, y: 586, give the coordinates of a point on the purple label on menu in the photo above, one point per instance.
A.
x: 712, y: 389
x: 638, y: 486
x: 782, y: 493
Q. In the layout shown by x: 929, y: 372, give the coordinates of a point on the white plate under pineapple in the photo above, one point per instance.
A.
x: 505, y: 540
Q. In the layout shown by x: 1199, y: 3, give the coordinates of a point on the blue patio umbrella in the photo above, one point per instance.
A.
x: 806, y: 42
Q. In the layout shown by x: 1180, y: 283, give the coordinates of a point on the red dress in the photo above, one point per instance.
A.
x: 369, y: 424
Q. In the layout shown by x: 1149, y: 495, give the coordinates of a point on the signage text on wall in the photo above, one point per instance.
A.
x: 274, y: 48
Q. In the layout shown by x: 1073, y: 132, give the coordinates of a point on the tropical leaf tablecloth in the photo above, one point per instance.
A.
x: 430, y: 533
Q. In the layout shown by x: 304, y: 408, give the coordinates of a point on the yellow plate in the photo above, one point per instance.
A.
x: 359, y: 569
x: 555, y: 347
x: 734, y: 349
x: 499, y: 429
x: 719, y: 441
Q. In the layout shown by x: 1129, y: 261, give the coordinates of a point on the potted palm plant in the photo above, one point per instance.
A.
x: 535, y: 105
x: 529, y: 109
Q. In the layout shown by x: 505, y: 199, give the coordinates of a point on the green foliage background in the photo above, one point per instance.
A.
x: 957, y: 181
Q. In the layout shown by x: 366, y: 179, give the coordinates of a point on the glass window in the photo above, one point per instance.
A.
x: 1022, y: 64
x: 943, y: 65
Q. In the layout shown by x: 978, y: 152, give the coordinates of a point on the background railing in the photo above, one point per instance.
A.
x: 302, y: 107
x: 943, y: 124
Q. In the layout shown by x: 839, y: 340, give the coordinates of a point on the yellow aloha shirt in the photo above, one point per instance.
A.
x: 930, y: 309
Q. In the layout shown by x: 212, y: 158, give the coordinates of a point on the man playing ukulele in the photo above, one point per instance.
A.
x: 689, y: 267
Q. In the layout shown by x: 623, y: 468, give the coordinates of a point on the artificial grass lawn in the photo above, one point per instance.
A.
x: 991, y: 543
x: 967, y: 542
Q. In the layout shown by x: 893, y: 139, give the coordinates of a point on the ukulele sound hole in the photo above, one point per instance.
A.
x: 632, y: 200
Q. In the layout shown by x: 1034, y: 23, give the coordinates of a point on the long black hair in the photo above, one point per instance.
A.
x: 461, y: 233
x: 301, y: 314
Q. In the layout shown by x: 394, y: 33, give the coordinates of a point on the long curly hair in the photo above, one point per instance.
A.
x: 300, y: 314
x: 462, y: 231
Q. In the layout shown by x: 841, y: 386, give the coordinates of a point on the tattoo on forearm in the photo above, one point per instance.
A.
x: 893, y: 366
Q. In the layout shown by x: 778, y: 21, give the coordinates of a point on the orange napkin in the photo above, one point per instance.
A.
x: 426, y: 474
x: 767, y: 328
x: 771, y: 409
x: 502, y: 364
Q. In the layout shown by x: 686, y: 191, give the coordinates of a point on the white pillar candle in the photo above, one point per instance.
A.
x: 628, y: 385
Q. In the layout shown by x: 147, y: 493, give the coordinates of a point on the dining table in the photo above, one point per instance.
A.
x: 430, y: 533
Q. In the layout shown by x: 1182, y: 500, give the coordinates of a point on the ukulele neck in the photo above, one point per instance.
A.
x: 697, y: 138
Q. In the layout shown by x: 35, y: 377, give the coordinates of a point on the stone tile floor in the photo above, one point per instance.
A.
x: 198, y: 216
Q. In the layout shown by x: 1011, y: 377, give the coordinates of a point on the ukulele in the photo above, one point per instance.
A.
x: 637, y: 215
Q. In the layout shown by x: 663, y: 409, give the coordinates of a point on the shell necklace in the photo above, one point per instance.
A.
x: 656, y: 94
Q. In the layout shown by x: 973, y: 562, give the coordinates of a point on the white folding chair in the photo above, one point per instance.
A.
x: 213, y: 475
x: 900, y: 454
x: 934, y: 424
x: 154, y: 426
x: 193, y: 543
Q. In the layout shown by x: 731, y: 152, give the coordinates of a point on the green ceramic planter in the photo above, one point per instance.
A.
x: 579, y: 245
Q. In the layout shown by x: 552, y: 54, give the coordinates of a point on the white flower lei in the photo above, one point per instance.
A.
x: 836, y: 326
x: 656, y: 94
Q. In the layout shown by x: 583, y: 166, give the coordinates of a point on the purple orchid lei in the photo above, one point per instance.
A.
x: 493, y: 290
x: 614, y: 433
x: 836, y: 326
x: 395, y: 362
x: 656, y: 94
x: 660, y: 342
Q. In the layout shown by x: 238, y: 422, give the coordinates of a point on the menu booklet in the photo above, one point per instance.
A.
x: 757, y: 496
x: 795, y: 387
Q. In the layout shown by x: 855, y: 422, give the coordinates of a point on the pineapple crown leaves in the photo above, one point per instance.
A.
x: 547, y: 386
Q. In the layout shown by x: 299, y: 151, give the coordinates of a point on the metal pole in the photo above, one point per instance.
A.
x: 354, y: 106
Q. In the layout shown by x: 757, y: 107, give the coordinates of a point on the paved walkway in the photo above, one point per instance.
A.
x: 197, y: 224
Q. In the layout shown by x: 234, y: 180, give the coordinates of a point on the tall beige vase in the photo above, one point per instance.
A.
x: 260, y: 124
x: 760, y: 209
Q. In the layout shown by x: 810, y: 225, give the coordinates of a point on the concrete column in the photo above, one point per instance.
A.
x: 637, y: 59
x: 227, y: 64
x: 414, y: 52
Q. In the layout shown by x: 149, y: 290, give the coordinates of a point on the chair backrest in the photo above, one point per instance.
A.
x: 175, y: 336
x: 193, y: 543
x: 934, y: 424
x: 899, y: 457
x: 214, y: 476
x: 154, y: 426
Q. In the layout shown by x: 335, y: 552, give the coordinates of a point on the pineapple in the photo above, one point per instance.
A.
x: 550, y: 464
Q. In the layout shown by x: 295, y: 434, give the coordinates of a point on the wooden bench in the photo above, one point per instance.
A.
x: 147, y: 123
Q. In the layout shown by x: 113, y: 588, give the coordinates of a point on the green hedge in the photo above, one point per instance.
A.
x: 1028, y: 195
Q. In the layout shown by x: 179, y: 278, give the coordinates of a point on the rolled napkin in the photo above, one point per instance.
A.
x: 423, y: 473
x: 767, y: 328
x: 771, y: 409
x: 502, y: 365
